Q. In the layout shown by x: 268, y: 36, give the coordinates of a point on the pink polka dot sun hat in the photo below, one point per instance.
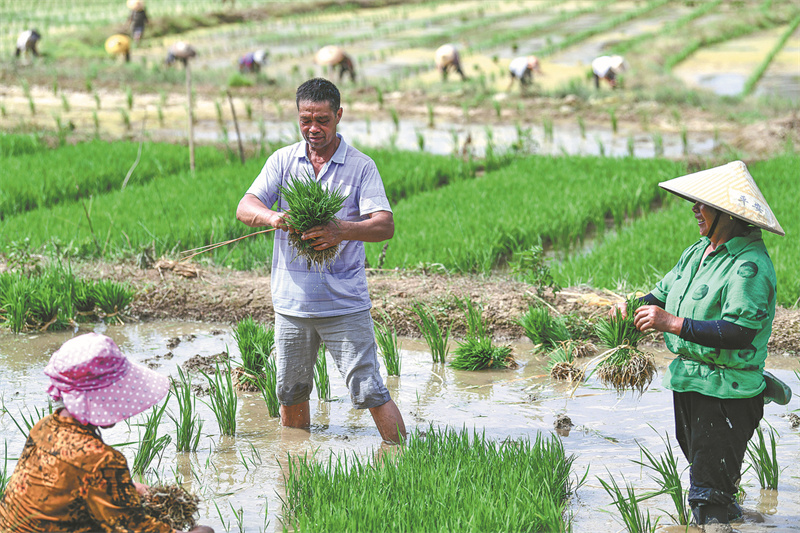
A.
x: 98, y: 384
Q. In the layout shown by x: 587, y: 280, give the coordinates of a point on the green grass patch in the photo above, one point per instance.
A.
x: 444, y: 480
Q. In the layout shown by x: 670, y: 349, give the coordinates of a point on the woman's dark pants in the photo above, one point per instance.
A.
x: 713, y: 434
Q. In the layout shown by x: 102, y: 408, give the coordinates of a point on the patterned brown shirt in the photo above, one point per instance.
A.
x: 67, y: 479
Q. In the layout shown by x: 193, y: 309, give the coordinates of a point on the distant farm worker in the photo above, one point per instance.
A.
x: 137, y: 19
x: 716, y: 308
x: 334, y: 56
x: 180, y: 51
x: 331, y: 306
x: 27, y: 42
x: 119, y: 45
x: 447, y: 59
x: 522, y: 69
x: 253, y: 61
x: 607, y: 68
x: 67, y: 478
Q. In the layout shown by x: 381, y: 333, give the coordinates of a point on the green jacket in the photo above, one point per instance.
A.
x: 736, y: 282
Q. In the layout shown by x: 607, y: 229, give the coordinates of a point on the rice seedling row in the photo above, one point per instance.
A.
x: 638, y: 255
x: 76, y: 172
x: 752, y: 80
x: 477, y: 225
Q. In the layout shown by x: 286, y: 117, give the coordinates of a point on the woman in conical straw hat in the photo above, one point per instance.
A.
x: 67, y: 478
x: 715, y: 308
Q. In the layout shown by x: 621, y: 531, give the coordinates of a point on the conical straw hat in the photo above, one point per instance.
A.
x: 329, y: 55
x: 729, y: 188
x: 135, y: 5
x: 445, y: 55
x: 118, y: 44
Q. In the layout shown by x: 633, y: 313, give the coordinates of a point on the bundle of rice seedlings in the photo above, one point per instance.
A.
x: 562, y: 363
x: 113, y: 298
x: 171, y: 504
x: 255, y: 342
x: 624, y: 366
x: 311, y: 204
x: 478, y: 353
x: 542, y: 328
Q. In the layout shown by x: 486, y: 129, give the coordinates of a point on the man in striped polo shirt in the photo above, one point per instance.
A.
x: 332, y: 304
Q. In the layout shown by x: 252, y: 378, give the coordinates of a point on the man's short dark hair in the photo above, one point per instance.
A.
x: 319, y: 90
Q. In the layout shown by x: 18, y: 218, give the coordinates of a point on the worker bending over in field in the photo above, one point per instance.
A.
x: 447, y: 58
x: 522, y: 69
x: 137, y: 19
x: 716, y: 308
x: 27, y: 42
x: 607, y: 68
x: 335, y: 56
x: 331, y: 306
x: 253, y: 61
x: 67, y: 478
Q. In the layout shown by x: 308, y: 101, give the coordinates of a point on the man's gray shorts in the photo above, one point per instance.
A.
x: 351, y: 341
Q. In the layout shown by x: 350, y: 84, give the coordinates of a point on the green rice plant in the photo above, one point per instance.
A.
x: 561, y: 363
x: 267, y: 384
x: 476, y: 327
x: 97, y: 101
x: 529, y: 266
x: 582, y: 127
x: 433, y: 334
x: 379, y: 96
x: 322, y: 380
x: 420, y: 140
x: 15, y: 306
x: 457, y: 480
x: 84, y: 297
x: 222, y: 398
x: 630, y: 146
x: 542, y: 328
x: 627, y: 503
x: 129, y: 97
x: 311, y: 204
x: 479, y: 353
x: 31, y: 419
x: 255, y: 343
x: 613, y: 114
x: 431, y: 116
x: 547, y: 125
x: 390, y: 351
x: 248, y: 110
x: 113, y: 298
x: 65, y: 103
x: 498, y: 108
x: 395, y: 118
x: 668, y: 479
x: 126, y: 118
x: 658, y: 144
x: 623, y: 365
x: 5, y: 475
x: 14, y: 144
x: 764, y: 459
x: 755, y: 76
x: 150, y: 445
x: 188, y: 424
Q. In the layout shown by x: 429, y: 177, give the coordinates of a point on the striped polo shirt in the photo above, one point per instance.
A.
x: 341, y: 288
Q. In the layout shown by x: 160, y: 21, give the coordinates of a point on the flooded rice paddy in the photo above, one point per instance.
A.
x: 242, y: 476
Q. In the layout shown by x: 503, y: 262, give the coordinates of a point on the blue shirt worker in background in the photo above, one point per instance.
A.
x: 716, y: 308
x: 332, y: 305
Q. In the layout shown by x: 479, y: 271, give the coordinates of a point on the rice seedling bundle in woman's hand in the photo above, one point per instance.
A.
x: 311, y: 204
x: 625, y: 366
x: 171, y: 504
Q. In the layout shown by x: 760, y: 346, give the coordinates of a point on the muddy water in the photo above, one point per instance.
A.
x: 242, y: 473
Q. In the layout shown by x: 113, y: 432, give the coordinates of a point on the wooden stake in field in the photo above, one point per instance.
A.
x: 184, y: 52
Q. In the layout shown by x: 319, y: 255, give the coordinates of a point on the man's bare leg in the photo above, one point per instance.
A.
x: 390, y: 422
x: 296, y: 416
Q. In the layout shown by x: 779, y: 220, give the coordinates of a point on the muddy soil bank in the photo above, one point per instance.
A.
x: 180, y: 291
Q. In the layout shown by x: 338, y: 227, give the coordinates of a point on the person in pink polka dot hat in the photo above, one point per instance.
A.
x: 67, y: 478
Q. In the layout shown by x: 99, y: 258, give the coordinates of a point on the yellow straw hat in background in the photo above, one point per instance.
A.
x: 118, y: 44
x: 135, y: 5
x: 729, y: 188
x: 445, y: 55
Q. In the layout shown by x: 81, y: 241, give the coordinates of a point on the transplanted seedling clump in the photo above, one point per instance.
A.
x: 311, y: 204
